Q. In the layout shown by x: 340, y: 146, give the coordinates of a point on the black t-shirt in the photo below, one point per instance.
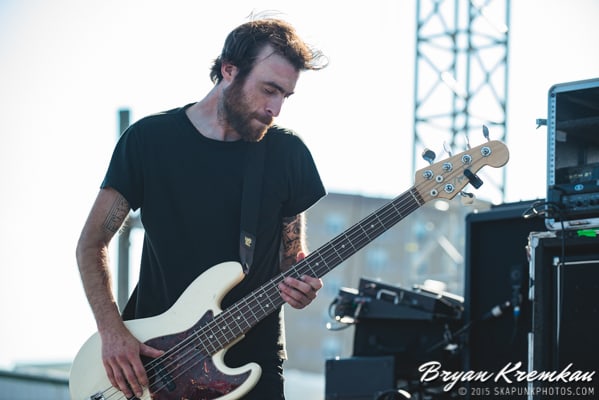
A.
x: 188, y: 189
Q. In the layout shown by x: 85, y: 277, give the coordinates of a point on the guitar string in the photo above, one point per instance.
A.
x: 194, y: 354
x: 414, y: 192
x: 265, y: 289
x: 414, y: 198
x: 330, y: 249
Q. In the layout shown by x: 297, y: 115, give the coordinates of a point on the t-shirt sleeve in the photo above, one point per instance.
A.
x: 306, y: 187
x: 124, y: 172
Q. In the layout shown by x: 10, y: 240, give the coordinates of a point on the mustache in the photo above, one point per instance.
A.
x: 265, y: 119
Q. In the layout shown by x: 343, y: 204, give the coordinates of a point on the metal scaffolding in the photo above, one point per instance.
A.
x: 461, y: 78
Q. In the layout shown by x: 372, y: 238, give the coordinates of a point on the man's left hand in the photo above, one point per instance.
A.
x: 298, y: 293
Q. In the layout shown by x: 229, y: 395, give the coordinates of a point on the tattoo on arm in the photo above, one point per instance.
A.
x: 293, y: 240
x: 117, y: 215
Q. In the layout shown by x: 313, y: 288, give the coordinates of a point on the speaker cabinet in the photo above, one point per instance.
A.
x: 496, y: 268
x: 359, y: 378
x: 411, y: 342
x: 565, y: 324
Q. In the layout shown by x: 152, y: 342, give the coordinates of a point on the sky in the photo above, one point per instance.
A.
x: 68, y: 66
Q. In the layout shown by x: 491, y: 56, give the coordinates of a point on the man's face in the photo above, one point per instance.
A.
x: 239, y: 115
x: 251, y: 104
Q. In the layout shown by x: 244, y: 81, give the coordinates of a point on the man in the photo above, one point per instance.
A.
x: 184, y: 169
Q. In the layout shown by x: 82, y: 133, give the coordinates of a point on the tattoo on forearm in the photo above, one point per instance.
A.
x: 117, y: 215
x: 293, y: 240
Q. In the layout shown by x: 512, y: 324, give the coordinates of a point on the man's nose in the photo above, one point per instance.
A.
x: 274, y: 106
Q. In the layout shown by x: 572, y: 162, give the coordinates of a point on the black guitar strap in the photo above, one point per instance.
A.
x: 250, y: 202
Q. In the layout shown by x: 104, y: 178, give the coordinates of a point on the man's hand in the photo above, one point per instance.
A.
x: 121, y: 356
x: 298, y: 293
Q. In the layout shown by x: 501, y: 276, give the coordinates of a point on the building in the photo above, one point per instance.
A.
x: 35, y: 381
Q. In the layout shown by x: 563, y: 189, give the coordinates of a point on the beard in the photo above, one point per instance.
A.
x: 236, y: 112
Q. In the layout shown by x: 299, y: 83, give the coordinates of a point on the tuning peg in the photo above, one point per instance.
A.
x: 467, y: 198
x: 447, y: 148
x: 486, y: 132
x: 429, y: 155
x: 467, y: 141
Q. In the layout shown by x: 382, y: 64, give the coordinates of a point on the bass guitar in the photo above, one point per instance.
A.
x: 192, y: 365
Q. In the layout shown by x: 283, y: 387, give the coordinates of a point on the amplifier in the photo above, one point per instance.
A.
x: 573, y: 155
x: 413, y: 326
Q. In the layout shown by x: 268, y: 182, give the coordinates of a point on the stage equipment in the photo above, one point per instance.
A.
x: 414, y: 326
x: 565, y: 317
x: 573, y: 155
x: 402, y: 328
x: 496, y: 304
x: 359, y: 378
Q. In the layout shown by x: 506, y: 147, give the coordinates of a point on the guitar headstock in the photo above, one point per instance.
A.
x: 445, y: 179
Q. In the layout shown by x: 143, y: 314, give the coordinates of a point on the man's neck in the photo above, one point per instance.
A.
x: 204, y: 117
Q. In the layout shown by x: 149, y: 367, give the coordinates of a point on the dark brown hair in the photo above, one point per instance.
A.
x: 245, y: 42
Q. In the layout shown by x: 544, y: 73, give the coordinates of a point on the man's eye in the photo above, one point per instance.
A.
x: 269, y: 91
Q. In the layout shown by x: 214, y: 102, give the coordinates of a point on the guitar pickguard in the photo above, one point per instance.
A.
x: 186, y: 371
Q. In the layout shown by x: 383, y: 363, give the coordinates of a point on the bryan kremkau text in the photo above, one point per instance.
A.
x: 510, y: 373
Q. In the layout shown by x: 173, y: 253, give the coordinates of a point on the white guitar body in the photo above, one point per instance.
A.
x: 88, y: 378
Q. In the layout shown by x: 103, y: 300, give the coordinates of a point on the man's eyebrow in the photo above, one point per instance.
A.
x: 279, y: 88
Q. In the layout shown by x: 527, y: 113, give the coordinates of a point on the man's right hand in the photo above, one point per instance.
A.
x: 121, y: 356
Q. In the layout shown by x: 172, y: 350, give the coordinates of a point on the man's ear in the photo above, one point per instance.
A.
x: 229, y: 71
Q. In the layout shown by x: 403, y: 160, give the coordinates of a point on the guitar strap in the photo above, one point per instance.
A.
x: 250, y: 202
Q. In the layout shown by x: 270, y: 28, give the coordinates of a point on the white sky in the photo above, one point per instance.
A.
x: 66, y: 66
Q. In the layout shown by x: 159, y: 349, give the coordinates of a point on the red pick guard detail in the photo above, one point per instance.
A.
x: 192, y: 376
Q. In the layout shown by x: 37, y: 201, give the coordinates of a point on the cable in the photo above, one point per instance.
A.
x: 495, y: 312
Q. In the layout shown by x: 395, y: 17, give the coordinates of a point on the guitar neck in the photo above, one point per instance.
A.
x: 247, y: 312
x: 343, y: 246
